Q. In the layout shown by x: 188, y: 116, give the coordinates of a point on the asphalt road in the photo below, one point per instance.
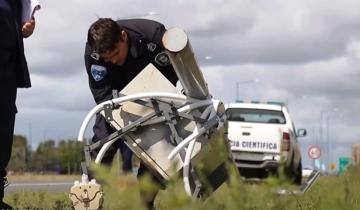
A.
x: 36, y: 186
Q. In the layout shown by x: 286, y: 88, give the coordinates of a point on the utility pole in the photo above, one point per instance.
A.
x: 30, y: 133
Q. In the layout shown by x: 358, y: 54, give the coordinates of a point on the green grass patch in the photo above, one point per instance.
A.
x: 123, y: 192
x: 39, y: 200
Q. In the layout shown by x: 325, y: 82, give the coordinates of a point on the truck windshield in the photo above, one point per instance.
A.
x: 255, y: 115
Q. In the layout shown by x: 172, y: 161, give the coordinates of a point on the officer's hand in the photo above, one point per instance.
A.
x: 28, y: 28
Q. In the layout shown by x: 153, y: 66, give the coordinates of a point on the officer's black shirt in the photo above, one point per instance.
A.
x: 145, y: 45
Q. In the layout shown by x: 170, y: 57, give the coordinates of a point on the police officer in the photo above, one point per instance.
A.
x: 116, y: 51
x: 14, y: 74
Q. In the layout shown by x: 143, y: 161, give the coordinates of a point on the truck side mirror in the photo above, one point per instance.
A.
x: 301, y: 132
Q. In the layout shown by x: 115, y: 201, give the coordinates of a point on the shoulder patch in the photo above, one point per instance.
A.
x: 98, y: 72
x: 162, y: 59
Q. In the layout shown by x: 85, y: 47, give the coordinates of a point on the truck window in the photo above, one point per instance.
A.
x: 255, y: 115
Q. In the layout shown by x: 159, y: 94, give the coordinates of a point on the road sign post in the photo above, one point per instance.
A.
x: 314, y: 153
x: 343, y: 163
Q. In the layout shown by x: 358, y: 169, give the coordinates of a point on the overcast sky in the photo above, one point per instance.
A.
x: 305, y: 52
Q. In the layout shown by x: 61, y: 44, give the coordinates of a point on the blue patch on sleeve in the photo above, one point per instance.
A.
x: 98, y: 72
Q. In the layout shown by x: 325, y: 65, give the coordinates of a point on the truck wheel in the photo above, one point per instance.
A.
x: 294, y: 173
x: 297, y: 175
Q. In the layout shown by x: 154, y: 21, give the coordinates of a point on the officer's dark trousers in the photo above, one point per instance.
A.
x: 102, y: 129
x: 7, y: 116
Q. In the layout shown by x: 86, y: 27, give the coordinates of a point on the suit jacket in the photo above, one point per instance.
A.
x: 22, y: 71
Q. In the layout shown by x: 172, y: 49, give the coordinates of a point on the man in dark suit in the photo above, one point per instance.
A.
x: 14, y: 74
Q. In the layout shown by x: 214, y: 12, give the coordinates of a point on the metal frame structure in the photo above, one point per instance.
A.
x: 164, y: 111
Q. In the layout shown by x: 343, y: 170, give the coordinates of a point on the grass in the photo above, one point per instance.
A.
x: 39, y: 200
x: 122, y: 192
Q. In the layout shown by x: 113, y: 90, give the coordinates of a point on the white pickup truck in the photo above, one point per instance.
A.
x: 262, y: 138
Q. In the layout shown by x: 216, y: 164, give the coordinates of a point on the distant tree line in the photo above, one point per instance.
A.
x: 62, y: 157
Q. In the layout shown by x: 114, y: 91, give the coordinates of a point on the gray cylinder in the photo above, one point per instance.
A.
x: 179, y: 50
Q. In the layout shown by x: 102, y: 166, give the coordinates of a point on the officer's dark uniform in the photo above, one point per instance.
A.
x: 145, y: 46
x: 14, y: 73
